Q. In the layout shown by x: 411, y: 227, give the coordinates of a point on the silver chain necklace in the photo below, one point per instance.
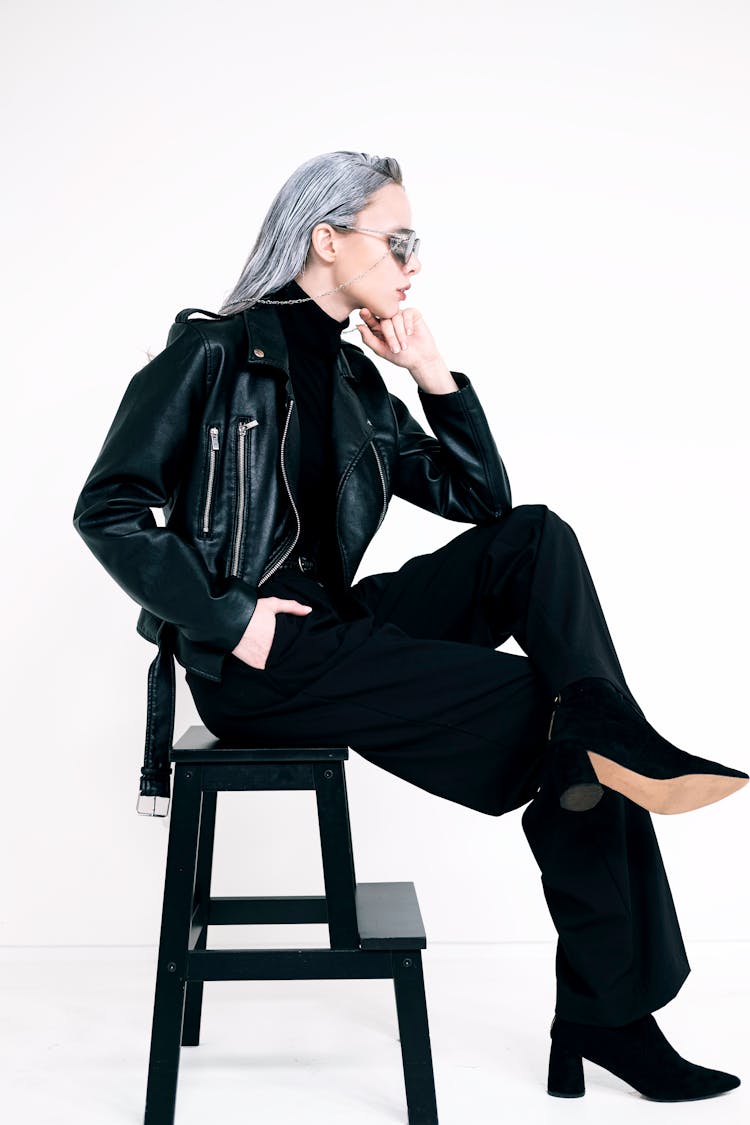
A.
x: 302, y: 300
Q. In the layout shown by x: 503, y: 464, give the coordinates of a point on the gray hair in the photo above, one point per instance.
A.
x: 330, y: 188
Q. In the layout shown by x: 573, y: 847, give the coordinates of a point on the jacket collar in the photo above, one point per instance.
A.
x: 266, y: 344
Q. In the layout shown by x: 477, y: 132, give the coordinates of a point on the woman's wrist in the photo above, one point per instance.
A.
x: 434, y: 377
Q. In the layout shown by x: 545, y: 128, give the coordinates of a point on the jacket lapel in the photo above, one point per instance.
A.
x: 266, y: 346
x: 348, y: 419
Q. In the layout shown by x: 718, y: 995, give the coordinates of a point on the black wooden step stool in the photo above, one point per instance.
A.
x: 375, y: 929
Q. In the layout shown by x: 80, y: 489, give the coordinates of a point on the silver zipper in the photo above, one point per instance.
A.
x: 558, y: 698
x: 285, y: 556
x: 242, y: 429
x: 214, y: 432
x: 382, y: 481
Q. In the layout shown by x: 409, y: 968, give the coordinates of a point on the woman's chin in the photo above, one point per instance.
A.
x: 384, y: 310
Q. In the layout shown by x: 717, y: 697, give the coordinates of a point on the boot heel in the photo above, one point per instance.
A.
x: 627, y: 755
x: 565, y: 1074
x: 576, y: 783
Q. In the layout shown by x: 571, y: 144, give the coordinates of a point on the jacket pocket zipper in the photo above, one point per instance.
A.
x: 239, y: 527
x: 382, y: 481
x: 213, y: 450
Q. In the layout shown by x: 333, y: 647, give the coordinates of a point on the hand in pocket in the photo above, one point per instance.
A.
x: 255, y: 643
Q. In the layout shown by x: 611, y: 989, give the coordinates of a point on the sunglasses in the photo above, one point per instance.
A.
x: 403, y: 243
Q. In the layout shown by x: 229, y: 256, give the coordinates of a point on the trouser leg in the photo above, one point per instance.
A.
x: 620, y: 952
x: 524, y: 576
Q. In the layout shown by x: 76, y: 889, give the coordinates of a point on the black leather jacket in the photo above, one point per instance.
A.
x: 208, y: 432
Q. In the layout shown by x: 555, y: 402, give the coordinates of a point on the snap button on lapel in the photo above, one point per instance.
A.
x: 258, y: 351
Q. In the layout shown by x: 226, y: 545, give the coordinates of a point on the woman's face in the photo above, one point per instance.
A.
x: 347, y: 254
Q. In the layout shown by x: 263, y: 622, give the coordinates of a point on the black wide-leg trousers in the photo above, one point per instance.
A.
x: 403, y: 668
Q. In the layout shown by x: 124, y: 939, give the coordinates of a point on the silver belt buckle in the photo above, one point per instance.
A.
x: 152, y: 806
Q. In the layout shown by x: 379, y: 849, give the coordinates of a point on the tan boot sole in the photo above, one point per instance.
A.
x: 665, y: 795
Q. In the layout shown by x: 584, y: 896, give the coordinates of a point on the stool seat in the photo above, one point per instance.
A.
x: 197, y: 744
x: 375, y: 929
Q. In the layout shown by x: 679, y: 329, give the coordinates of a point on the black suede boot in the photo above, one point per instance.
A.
x: 638, y: 1053
x: 597, y: 737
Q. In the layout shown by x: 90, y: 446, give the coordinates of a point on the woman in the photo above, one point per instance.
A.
x: 274, y: 447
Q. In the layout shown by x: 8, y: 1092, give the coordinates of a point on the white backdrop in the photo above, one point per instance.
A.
x: 579, y: 176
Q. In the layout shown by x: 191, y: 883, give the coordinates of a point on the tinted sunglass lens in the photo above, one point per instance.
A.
x: 403, y: 250
x: 411, y: 247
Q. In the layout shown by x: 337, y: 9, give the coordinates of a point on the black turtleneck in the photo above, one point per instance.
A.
x: 313, y: 339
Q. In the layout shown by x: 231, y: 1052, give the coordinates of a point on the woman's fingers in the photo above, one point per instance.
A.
x: 291, y: 605
x: 392, y: 329
x: 372, y: 341
x: 373, y: 324
x: 390, y: 335
x: 399, y: 324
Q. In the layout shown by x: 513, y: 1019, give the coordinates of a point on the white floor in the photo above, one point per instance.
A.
x: 74, y: 1041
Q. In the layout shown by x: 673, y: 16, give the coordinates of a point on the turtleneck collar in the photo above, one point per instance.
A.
x: 308, y: 325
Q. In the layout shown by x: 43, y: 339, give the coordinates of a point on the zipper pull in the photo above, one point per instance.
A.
x: 214, y: 437
x: 248, y: 425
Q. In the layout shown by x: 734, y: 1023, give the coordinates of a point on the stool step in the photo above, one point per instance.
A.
x: 197, y: 744
x: 388, y: 916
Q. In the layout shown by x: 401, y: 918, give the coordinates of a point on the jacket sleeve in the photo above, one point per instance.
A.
x: 458, y: 473
x: 140, y: 465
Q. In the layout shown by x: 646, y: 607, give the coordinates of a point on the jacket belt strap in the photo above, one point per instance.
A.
x: 154, y: 794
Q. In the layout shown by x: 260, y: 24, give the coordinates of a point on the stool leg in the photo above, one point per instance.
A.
x: 416, y: 1054
x: 182, y: 852
x: 336, y: 851
x: 191, y: 1024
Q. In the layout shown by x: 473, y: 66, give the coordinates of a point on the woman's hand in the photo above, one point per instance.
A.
x: 404, y: 339
x: 408, y: 332
x: 255, y: 643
